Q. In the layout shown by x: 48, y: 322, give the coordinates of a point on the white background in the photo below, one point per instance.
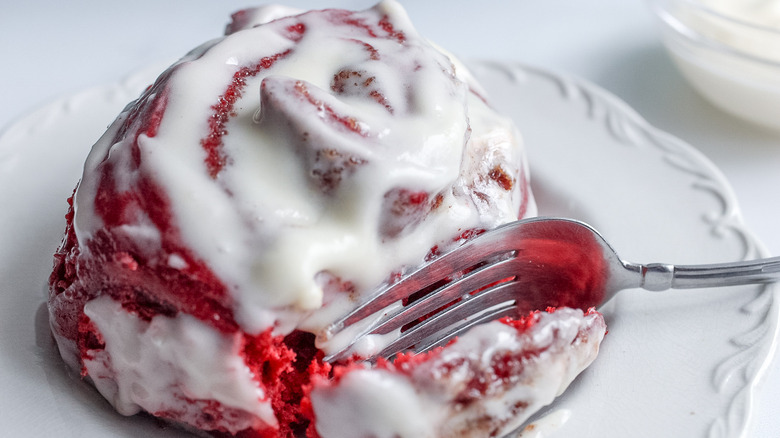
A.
x: 51, y: 49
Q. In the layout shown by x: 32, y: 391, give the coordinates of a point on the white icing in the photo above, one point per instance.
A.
x: 547, y: 425
x: 562, y: 344
x: 167, y: 359
x: 268, y: 13
x: 398, y: 411
x: 757, y: 12
x: 264, y: 226
x: 730, y: 51
x: 279, y: 236
x: 750, y: 26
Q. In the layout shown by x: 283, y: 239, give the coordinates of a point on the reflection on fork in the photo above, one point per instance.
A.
x: 509, y: 271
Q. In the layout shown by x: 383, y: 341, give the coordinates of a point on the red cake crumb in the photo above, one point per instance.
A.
x: 500, y: 176
x: 223, y: 110
x: 133, y: 270
x: 467, y: 379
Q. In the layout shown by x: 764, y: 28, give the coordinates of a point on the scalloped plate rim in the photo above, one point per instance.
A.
x: 131, y: 83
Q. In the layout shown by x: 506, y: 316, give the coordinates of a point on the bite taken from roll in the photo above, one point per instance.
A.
x: 263, y: 186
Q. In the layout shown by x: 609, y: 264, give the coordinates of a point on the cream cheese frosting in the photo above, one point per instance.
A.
x: 468, y: 389
x: 320, y: 148
x: 265, y: 184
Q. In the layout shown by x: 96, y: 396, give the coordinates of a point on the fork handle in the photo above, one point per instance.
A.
x: 661, y: 276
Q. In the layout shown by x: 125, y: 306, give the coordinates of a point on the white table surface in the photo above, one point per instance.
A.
x: 50, y: 49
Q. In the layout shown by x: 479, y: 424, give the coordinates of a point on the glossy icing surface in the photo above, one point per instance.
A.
x: 257, y: 190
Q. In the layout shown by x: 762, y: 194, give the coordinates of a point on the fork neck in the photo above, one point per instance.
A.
x: 661, y: 276
x: 652, y: 277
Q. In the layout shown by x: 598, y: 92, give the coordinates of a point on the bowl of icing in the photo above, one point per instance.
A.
x: 729, y: 51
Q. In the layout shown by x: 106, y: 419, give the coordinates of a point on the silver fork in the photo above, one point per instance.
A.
x: 512, y: 270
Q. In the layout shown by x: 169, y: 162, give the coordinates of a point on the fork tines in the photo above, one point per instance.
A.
x: 464, y: 287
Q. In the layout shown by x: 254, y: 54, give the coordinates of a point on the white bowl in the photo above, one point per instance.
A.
x: 732, y: 62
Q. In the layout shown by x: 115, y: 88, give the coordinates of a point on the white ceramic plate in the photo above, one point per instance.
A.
x: 674, y: 364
